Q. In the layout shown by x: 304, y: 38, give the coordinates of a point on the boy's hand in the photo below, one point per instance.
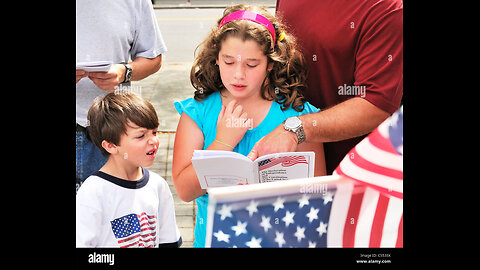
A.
x: 232, y: 124
x: 108, y: 80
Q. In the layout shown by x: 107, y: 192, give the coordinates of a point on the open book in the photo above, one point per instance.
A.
x: 224, y: 168
x: 97, y: 66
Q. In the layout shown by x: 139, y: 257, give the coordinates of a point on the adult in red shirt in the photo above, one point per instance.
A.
x: 354, y: 51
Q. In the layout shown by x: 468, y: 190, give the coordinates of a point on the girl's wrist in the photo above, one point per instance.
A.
x: 224, y: 144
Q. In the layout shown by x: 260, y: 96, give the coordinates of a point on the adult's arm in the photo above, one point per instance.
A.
x: 141, y: 68
x: 351, y: 118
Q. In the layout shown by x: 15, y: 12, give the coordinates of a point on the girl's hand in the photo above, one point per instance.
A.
x: 232, y: 124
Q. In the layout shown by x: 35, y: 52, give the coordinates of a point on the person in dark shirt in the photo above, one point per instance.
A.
x: 354, y: 55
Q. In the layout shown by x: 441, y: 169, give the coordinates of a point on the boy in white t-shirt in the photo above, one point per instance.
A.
x: 123, y: 204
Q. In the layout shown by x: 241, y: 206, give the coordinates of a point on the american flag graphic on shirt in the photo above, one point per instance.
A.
x: 135, y: 230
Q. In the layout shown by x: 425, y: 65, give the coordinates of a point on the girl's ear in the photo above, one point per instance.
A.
x: 110, y: 147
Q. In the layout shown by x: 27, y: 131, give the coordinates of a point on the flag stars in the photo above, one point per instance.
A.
x: 266, y: 223
x: 225, y: 212
x: 278, y: 204
x: 279, y: 239
x: 328, y: 197
x: 240, y: 228
x: 288, y: 218
x: 322, y: 228
x: 300, y: 233
x: 313, y: 214
x: 222, y: 236
x: 303, y: 201
x: 252, y: 208
x: 254, y: 242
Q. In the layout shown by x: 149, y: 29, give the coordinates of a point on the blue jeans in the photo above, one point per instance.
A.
x: 88, y: 158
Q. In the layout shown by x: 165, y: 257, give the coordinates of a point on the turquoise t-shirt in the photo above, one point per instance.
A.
x: 205, y: 114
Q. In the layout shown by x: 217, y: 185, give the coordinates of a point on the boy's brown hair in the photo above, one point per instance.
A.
x: 108, y: 117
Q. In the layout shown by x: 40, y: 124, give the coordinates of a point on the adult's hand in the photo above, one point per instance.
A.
x: 279, y: 140
x: 108, y: 80
x: 79, y: 74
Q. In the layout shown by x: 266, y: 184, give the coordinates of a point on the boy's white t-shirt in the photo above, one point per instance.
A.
x: 113, y: 212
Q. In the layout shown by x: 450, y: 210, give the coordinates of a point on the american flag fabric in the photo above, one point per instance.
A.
x: 346, y: 209
x: 282, y: 214
x: 287, y: 161
x: 135, y: 230
x: 377, y: 161
x: 373, y: 205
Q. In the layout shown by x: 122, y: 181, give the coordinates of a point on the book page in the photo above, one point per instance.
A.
x: 222, y: 171
x: 97, y: 66
x: 218, y: 154
x: 285, y: 166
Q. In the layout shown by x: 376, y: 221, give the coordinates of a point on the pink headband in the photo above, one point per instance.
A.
x: 251, y: 16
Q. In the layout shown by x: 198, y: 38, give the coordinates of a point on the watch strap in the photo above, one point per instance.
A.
x: 128, y: 73
x: 300, y: 134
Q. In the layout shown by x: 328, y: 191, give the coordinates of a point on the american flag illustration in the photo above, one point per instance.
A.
x: 285, y: 161
x: 360, y: 207
x: 135, y: 230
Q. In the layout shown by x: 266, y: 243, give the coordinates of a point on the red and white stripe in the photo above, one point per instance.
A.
x: 364, y: 217
x: 375, y: 163
x: 368, y: 212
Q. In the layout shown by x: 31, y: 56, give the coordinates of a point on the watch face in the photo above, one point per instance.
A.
x: 293, y: 122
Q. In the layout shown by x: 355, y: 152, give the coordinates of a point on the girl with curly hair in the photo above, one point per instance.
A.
x: 248, y: 77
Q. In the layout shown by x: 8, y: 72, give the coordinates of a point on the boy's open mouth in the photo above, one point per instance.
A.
x: 152, y: 152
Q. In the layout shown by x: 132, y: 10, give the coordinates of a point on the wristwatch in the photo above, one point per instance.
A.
x: 294, y: 124
x: 128, y: 73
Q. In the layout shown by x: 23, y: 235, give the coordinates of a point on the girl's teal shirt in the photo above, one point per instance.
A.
x: 205, y: 115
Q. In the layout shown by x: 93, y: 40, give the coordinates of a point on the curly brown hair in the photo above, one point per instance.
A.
x: 285, y: 83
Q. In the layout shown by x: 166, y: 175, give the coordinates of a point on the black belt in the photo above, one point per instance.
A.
x: 80, y: 128
x: 84, y: 130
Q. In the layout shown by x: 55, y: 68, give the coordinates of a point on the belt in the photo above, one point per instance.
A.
x: 80, y: 128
